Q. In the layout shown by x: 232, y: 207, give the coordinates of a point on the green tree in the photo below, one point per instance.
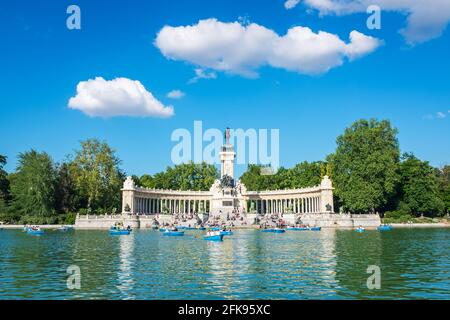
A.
x: 5, y: 194
x: 307, y: 174
x: 251, y: 177
x: 97, y: 176
x: 137, y: 180
x: 4, y: 182
x: 420, y: 187
x: 186, y: 176
x: 33, y: 184
x: 147, y: 181
x: 445, y: 186
x: 365, y: 165
x: 66, y: 196
x: 303, y: 175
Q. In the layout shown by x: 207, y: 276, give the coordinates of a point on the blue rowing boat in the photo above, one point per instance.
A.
x: 216, y: 237
x: 384, y: 228
x: 119, y: 232
x: 173, y: 233
x: 304, y: 228
x: 36, y: 232
x: 274, y: 230
x: 360, y: 230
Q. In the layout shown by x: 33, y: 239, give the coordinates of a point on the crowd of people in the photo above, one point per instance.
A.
x: 229, y: 219
x: 272, y: 220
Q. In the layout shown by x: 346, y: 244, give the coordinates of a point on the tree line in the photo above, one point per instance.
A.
x: 42, y: 191
x: 369, y: 174
x: 368, y: 171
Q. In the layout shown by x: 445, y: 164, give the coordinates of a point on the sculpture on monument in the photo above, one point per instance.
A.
x: 227, y: 136
x: 226, y: 182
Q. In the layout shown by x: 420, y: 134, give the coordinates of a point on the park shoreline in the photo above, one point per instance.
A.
x: 394, y: 225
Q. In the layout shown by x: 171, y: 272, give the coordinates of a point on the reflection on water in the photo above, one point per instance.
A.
x: 124, y: 275
x: 330, y: 264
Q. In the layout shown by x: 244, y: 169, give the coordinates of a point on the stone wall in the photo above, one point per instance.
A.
x: 326, y: 220
x: 105, y: 221
x: 333, y: 220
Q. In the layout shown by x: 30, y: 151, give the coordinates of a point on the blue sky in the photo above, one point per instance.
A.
x: 42, y: 61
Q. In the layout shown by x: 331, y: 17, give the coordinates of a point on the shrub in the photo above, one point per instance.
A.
x: 70, y: 218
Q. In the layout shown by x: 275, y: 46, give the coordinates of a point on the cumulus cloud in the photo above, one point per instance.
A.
x: 242, y: 49
x: 425, y: 20
x: 289, y: 4
x: 441, y: 115
x: 118, y: 97
x: 202, y: 74
x: 176, y: 94
x: 437, y: 115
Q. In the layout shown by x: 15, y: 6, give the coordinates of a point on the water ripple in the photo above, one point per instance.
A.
x: 330, y: 264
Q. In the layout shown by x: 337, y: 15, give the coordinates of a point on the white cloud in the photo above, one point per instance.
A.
x: 426, y: 20
x: 176, y: 94
x: 118, y: 97
x: 202, y: 74
x: 289, y: 4
x: 441, y: 115
x: 437, y: 115
x: 242, y: 49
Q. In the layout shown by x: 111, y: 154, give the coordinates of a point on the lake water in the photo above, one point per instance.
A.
x: 330, y: 264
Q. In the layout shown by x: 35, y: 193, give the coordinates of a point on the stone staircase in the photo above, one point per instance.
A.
x: 228, y: 219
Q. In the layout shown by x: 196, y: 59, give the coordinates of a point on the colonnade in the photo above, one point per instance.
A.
x: 170, y: 206
x: 286, y: 205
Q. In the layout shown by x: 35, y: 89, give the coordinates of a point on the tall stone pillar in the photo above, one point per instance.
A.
x: 128, y: 196
x: 326, y: 195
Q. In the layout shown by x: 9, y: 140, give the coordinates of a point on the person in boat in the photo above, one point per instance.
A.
x: 128, y: 228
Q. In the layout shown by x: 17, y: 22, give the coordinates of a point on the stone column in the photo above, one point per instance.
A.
x: 326, y: 195
x: 317, y: 204
x: 314, y: 204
